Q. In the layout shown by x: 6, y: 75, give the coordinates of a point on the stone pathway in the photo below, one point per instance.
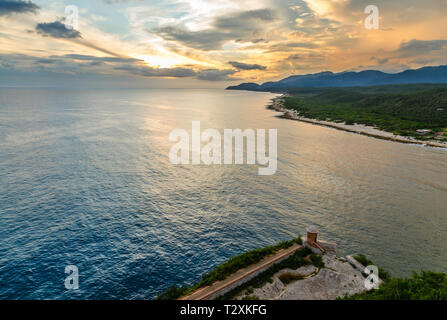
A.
x: 238, y: 277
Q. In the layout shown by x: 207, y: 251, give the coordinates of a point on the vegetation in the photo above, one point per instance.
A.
x: 363, y: 260
x: 400, y: 109
x: 295, y: 261
x: 224, y: 270
x: 289, y: 277
x: 317, y: 261
x: 172, y: 293
x: 423, y: 285
x: 383, y: 89
x: 383, y: 275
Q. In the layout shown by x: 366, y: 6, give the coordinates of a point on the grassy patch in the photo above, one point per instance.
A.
x: 289, y: 277
x: 363, y: 260
x: 222, y: 271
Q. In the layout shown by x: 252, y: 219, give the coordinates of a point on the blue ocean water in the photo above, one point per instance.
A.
x: 85, y: 180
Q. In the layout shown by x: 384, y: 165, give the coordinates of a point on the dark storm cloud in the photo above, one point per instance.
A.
x: 57, y: 30
x: 245, y: 66
x: 8, y: 7
x: 241, y: 26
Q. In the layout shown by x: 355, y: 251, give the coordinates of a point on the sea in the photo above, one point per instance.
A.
x: 86, y: 181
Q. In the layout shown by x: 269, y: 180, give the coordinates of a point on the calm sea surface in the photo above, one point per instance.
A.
x: 85, y: 180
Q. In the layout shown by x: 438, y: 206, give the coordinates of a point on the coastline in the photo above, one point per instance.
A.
x: 369, y: 131
x: 306, y: 268
x: 299, y: 270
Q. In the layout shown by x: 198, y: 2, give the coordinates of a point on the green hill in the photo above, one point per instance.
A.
x: 398, y: 109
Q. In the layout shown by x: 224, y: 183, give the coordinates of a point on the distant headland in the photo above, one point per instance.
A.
x: 408, y: 107
x: 429, y: 74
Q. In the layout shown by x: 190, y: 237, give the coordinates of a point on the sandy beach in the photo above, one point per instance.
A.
x: 277, y: 105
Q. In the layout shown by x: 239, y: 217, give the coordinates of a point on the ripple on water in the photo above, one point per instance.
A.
x: 86, y: 180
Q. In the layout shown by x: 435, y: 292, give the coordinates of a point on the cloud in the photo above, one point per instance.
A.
x: 380, y: 60
x: 393, y: 14
x: 273, y: 39
x: 245, y: 66
x: 146, y: 71
x: 46, y: 61
x: 215, y: 74
x: 298, y: 62
x: 8, y: 7
x: 85, y: 64
x: 100, y: 59
x: 243, y: 20
x: 132, y: 66
x: 413, y: 52
x: 306, y: 56
x: 417, y: 47
x: 97, y: 18
x: 57, y: 30
x: 288, y: 46
x: 119, y: 1
x: 205, y: 40
x: 113, y: 66
x: 22, y: 62
x: 241, y: 26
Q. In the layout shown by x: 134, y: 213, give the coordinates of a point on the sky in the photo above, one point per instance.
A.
x: 211, y: 43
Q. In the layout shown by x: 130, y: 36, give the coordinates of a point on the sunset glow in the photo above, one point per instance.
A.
x: 198, y: 39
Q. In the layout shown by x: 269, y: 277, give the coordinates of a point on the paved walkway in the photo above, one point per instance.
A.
x: 205, y: 292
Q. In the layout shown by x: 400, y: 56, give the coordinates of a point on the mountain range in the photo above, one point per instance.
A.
x: 436, y: 74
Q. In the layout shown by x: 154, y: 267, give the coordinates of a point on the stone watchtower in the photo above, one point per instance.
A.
x: 312, y: 233
x: 317, y: 246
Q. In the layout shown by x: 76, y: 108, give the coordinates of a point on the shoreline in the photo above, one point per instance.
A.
x: 361, y: 129
x: 300, y: 270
